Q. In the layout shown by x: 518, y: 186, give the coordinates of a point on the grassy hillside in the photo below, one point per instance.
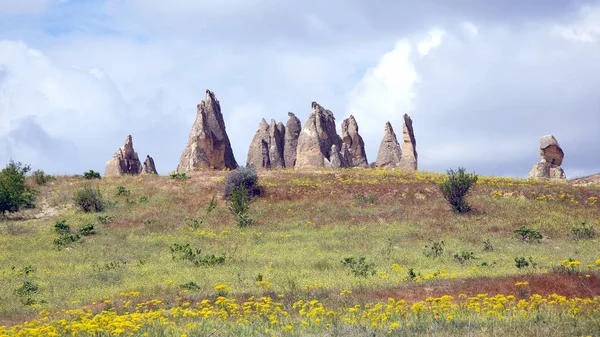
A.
x: 306, y: 224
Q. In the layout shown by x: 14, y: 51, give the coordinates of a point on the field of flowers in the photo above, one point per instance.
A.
x: 335, y: 253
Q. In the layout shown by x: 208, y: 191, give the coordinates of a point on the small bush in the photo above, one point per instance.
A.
x: 464, y: 256
x: 190, y: 286
x: 521, y: 262
x: 87, y: 229
x: 239, y: 203
x: 365, y: 199
x: 89, y: 199
x: 194, y: 255
x: 91, y: 174
x: 28, y: 288
x: 434, y: 250
x: 122, y: 190
x: 528, y: 234
x: 487, y: 245
x: 194, y: 224
x: 360, y: 267
x: 105, y: 219
x: 41, y: 178
x: 455, y: 189
x: 178, y: 176
x: 62, y: 227
x: 13, y: 191
x: 583, y: 231
x: 212, y: 204
x: 242, y: 177
x: 65, y: 240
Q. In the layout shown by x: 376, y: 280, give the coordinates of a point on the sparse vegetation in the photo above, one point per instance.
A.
x: 42, y: 178
x: 169, y: 257
x: 242, y: 178
x: 91, y: 174
x: 89, y: 199
x: 583, y: 231
x: 13, y: 192
x: 456, y: 187
x: 528, y: 234
x: 239, y: 203
x: 178, y: 176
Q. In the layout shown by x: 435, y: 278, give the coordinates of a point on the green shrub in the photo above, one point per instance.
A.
x: 239, y: 203
x: 212, y: 204
x: 89, y: 199
x: 91, y: 174
x: 13, y: 191
x: 41, y: 178
x: 583, y: 231
x: 65, y: 240
x: 528, y: 234
x: 190, y: 286
x: 242, y: 177
x: 62, y: 227
x: 194, y: 255
x: 28, y: 288
x: 87, y: 229
x: 360, y: 267
x: 365, y: 199
x: 521, y: 262
x: 487, y: 245
x: 178, y: 176
x: 194, y: 224
x: 105, y: 219
x: 434, y: 250
x: 464, y: 256
x: 455, y: 189
x: 122, y: 190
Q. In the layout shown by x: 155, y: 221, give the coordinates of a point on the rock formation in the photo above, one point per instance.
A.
x: 208, y: 145
x: 552, y: 157
x: 149, y: 167
x: 124, y: 161
x: 317, y: 138
x: 292, y: 131
x: 409, y: 146
x: 266, y: 148
x: 390, y: 153
x: 357, y: 156
x: 276, y: 137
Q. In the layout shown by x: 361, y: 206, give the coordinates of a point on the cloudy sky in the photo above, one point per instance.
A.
x: 482, y: 79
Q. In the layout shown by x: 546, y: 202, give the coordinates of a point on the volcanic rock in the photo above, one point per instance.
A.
x: 390, y: 153
x: 317, y: 138
x: 357, y: 156
x: 409, y: 146
x: 266, y: 148
x: 208, y: 145
x: 124, y: 161
x: 149, y: 167
x: 292, y: 131
x: 549, y: 165
x: 276, y: 138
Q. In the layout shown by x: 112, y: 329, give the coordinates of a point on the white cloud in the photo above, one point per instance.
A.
x: 471, y: 29
x: 426, y: 45
x: 585, y: 29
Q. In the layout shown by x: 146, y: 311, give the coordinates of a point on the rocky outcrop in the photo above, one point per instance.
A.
x: 356, y: 156
x: 124, y: 161
x: 316, y: 140
x: 276, y: 137
x: 409, y: 159
x: 266, y: 148
x: 552, y: 157
x: 292, y: 131
x: 149, y: 167
x: 390, y: 153
x: 208, y: 145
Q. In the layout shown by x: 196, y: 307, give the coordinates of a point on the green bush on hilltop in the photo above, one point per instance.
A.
x: 455, y: 188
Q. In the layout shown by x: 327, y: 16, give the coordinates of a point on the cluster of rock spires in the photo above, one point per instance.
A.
x: 126, y: 161
x: 552, y: 157
x: 317, y: 144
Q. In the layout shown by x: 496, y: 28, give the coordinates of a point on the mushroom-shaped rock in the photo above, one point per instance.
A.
x: 149, y: 167
x: 390, y: 153
x: 355, y: 144
x: 409, y: 159
x: 552, y: 157
x: 124, y: 161
x: 208, y: 145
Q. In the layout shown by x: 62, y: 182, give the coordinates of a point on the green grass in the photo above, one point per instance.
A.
x: 305, y: 225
